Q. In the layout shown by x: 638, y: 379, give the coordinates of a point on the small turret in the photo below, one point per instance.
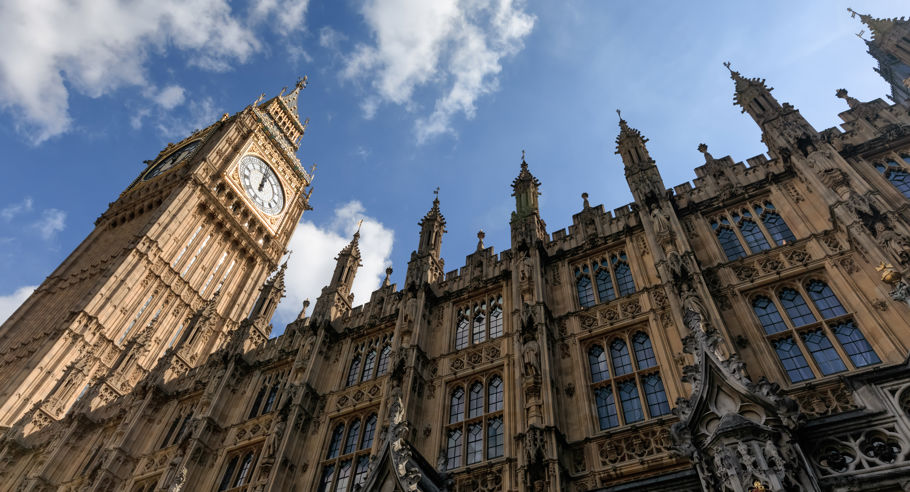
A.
x: 426, y: 264
x: 336, y: 298
x: 527, y: 226
x: 644, y: 178
x: 754, y: 96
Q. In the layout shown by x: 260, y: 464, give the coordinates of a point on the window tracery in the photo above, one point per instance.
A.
x: 618, y: 398
x: 800, y: 331
x: 370, y: 359
x: 611, y: 275
x: 479, y: 321
x: 759, y: 226
x: 238, y: 472
x: 896, y: 174
x: 479, y: 434
x: 347, y: 455
x: 269, y: 393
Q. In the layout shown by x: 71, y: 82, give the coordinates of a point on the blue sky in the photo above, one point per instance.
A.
x: 404, y: 96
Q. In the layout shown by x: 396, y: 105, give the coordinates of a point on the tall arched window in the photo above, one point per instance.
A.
x: 768, y: 315
x: 351, y: 458
x: 729, y: 242
x: 618, y: 400
x: 384, y: 361
x: 624, y: 282
x: 776, y: 226
x: 622, y: 363
x: 753, y: 236
x: 855, y: 344
x: 354, y: 371
x: 480, y: 435
x: 792, y: 358
x: 605, y: 285
x: 823, y: 352
x: 335, y: 441
x: 350, y: 444
x: 461, y: 333
x: 583, y: 285
x: 644, y: 353
x: 475, y: 402
x: 796, y: 307
x: 598, y: 362
x: 241, y: 465
x: 896, y: 175
x: 824, y: 299
x: 480, y: 326
x: 496, y: 320
x: 606, y: 408
x: 494, y: 394
x: 368, y: 365
x: 369, y: 428
x: 456, y: 406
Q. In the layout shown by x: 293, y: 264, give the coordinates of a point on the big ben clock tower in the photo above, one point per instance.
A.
x: 199, y: 230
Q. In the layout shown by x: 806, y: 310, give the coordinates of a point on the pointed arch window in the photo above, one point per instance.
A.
x: 478, y: 435
x: 354, y: 371
x: 456, y: 406
x: 583, y: 285
x: 618, y: 399
x: 728, y: 240
x: 363, y: 360
x: 368, y: 365
x: 238, y: 472
x: 619, y: 352
x: 760, y: 232
x: 611, y: 278
x: 896, y: 175
x: 605, y: 284
x: 598, y: 362
x: 801, y: 331
x: 644, y: 353
x: 346, y: 465
x: 478, y: 321
x: 774, y: 224
x: 384, y: 360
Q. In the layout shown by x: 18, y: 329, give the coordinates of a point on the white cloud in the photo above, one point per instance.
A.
x: 454, y: 46
x: 315, y: 248
x: 10, y: 211
x: 330, y: 38
x: 202, y: 112
x: 170, y: 97
x: 9, y: 304
x: 94, y: 47
x: 51, y: 222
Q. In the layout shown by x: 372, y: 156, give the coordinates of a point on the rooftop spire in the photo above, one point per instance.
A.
x: 878, y: 27
x: 291, y: 98
x: 630, y: 144
x: 753, y: 95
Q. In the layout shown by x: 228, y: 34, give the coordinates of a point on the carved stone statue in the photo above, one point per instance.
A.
x: 893, y: 242
x: 660, y: 220
x: 530, y: 354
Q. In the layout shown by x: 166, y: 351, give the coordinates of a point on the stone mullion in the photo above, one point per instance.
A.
x: 201, y: 267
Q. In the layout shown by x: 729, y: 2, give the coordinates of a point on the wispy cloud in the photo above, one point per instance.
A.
x: 9, y: 304
x: 455, y: 47
x: 315, y: 248
x: 11, y: 211
x: 51, y: 222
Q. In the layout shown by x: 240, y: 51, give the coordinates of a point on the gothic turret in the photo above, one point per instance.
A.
x: 336, y: 298
x: 270, y: 294
x: 425, y: 264
x: 642, y: 174
x: 754, y: 96
x: 890, y: 46
x: 527, y: 226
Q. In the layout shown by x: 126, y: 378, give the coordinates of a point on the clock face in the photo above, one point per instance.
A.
x: 172, y: 160
x: 261, y: 184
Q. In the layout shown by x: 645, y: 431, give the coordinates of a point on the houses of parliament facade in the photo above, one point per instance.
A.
x: 748, y: 331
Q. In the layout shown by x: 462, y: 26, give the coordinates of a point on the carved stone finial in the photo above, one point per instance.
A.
x: 480, y: 236
x: 851, y: 101
x: 584, y: 197
x: 388, y: 274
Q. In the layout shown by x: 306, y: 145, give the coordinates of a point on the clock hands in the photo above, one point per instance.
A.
x: 262, y: 182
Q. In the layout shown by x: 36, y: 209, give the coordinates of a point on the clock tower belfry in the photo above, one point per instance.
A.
x: 200, y: 229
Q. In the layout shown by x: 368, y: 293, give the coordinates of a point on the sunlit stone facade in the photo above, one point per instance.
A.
x: 747, y: 331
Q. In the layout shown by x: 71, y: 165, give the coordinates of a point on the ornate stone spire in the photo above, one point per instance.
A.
x: 432, y: 227
x: 291, y: 98
x: 878, y: 27
x: 753, y: 95
x: 630, y: 144
x: 525, y: 189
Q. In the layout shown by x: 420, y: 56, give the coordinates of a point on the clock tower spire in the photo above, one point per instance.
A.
x: 202, y: 225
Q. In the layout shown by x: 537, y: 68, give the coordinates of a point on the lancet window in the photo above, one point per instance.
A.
x: 238, y: 470
x: 625, y: 379
x: 896, y: 174
x: 478, y: 321
x: 370, y: 359
x: 758, y: 226
x: 820, y: 327
x: 269, y: 394
x: 178, y: 426
x: 347, y: 456
x: 475, y: 431
x: 603, y: 279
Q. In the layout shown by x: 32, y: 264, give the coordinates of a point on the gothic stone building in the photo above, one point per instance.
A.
x: 749, y: 331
